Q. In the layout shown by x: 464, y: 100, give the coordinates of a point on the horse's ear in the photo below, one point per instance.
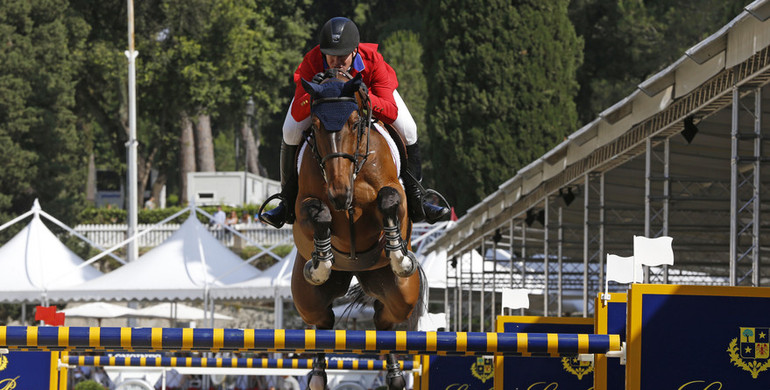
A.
x: 352, y: 86
x: 311, y: 88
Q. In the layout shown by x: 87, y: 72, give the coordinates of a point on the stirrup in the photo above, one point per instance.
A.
x: 265, y: 203
x: 443, y: 211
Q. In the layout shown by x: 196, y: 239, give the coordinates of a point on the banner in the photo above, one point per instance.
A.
x: 543, y: 372
x: 29, y: 370
x: 698, y: 337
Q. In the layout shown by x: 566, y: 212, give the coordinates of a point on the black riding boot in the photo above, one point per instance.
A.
x: 284, y: 212
x: 412, y: 176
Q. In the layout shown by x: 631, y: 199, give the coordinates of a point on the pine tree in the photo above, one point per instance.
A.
x: 501, y: 79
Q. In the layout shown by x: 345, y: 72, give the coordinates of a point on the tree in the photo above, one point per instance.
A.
x: 402, y: 49
x: 501, y: 77
x: 41, y: 155
x: 211, y: 57
x: 627, y: 41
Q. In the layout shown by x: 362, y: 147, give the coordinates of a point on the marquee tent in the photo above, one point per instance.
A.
x: 177, y: 311
x: 274, y: 281
x: 34, y: 262
x: 185, y: 266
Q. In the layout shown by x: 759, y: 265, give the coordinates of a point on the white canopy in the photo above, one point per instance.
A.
x: 275, y: 281
x: 434, y: 266
x: 184, y: 266
x: 98, y: 310
x: 180, y: 312
x: 34, y: 261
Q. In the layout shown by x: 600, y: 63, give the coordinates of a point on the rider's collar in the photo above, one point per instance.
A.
x: 358, y: 63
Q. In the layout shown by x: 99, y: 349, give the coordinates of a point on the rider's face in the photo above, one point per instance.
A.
x: 341, y: 62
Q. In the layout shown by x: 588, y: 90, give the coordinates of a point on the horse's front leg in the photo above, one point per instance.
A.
x: 319, y: 267
x: 402, y: 261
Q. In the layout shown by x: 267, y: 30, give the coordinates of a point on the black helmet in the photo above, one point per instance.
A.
x: 339, y: 36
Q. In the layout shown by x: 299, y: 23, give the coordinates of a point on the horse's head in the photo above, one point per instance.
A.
x: 338, y: 124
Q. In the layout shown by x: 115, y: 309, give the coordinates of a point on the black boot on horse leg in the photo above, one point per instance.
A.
x: 402, y: 261
x: 284, y: 212
x: 419, y: 210
x: 319, y: 267
x: 316, y: 379
x: 395, y: 377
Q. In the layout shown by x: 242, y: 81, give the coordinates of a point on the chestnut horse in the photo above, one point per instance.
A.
x: 351, y: 219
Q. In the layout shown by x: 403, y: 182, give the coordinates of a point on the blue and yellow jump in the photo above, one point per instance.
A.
x: 151, y: 361
x: 33, y: 338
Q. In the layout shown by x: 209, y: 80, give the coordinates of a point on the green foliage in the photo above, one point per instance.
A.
x: 264, y: 261
x: 89, y: 385
x: 627, y: 41
x: 501, y: 78
x: 41, y: 155
x: 403, y: 51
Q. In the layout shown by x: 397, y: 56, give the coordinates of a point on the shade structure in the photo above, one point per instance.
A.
x: 184, y: 267
x: 434, y: 265
x: 274, y: 281
x: 34, y: 262
x: 181, y: 312
x: 98, y: 310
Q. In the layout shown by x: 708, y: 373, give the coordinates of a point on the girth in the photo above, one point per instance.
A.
x: 364, y: 260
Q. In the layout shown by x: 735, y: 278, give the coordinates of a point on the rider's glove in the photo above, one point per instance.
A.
x: 318, y: 77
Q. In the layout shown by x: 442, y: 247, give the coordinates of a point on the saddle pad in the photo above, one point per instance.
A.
x: 391, y: 144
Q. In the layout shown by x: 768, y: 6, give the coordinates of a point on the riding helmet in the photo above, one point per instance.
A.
x: 339, y: 37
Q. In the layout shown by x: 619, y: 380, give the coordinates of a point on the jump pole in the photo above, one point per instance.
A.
x: 34, y: 338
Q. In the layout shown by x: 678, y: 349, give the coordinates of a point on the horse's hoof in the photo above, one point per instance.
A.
x: 396, y: 381
x: 318, y: 274
x: 408, y: 266
x: 317, y: 380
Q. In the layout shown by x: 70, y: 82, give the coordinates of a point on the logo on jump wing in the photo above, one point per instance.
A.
x: 483, y: 369
x: 576, y: 367
x: 3, y: 362
x: 752, y: 352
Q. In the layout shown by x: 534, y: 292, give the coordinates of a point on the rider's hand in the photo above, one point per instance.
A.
x: 318, y: 77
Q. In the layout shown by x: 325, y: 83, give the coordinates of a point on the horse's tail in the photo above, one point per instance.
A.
x: 422, y: 303
x: 358, y: 298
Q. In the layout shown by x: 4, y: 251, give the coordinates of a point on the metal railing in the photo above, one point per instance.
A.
x: 108, y: 235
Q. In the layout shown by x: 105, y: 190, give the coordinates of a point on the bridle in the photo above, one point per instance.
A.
x: 363, y: 125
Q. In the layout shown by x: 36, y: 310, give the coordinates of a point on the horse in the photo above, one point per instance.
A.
x: 351, y: 219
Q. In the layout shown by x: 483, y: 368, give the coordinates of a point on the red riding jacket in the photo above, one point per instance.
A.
x: 378, y: 76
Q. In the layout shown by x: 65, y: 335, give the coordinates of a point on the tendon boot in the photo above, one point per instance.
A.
x: 419, y: 210
x: 284, y: 212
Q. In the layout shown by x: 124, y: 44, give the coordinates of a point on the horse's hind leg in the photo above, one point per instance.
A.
x: 317, y: 377
x: 318, y: 268
x: 395, y: 377
x: 402, y: 261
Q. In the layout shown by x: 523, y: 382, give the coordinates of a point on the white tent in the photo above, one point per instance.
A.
x: 34, y: 261
x: 178, y: 311
x: 98, y: 310
x: 434, y: 265
x: 273, y: 282
x: 183, y: 267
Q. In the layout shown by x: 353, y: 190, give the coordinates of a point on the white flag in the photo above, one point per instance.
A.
x: 515, y: 298
x: 653, y: 251
x: 621, y: 269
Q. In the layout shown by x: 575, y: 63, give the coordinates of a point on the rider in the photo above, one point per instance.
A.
x: 340, y: 48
